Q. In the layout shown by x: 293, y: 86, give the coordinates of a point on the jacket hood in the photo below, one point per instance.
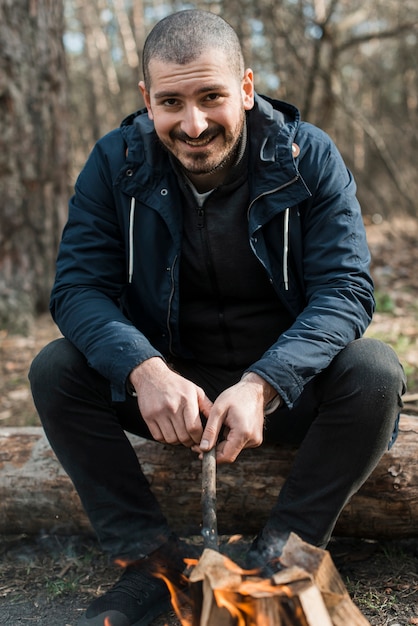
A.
x: 274, y: 113
x: 265, y: 114
x: 272, y: 126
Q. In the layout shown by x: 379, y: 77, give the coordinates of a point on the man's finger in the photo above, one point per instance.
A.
x: 210, y: 434
x: 227, y: 451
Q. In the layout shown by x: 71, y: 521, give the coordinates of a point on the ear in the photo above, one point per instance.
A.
x: 247, y: 87
x: 147, y: 98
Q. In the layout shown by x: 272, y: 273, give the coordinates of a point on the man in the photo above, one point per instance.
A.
x: 212, y: 287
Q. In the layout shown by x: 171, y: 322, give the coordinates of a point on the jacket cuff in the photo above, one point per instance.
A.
x: 273, y: 405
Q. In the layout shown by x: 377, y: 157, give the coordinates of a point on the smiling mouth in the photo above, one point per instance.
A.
x: 198, y: 143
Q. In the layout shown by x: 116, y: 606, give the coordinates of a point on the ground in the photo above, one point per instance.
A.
x: 49, y: 580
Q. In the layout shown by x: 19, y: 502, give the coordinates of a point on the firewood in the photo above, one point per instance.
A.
x: 35, y: 493
x: 328, y: 581
x: 307, y: 592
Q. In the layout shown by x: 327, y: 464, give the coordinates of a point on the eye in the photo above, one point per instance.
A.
x: 212, y: 97
x: 170, y: 102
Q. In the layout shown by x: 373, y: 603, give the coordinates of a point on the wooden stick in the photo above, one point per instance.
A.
x: 208, y: 500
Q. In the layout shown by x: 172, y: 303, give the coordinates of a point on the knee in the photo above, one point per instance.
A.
x: 49, y: 364
x: 47, y: 373
x: 373, y: 365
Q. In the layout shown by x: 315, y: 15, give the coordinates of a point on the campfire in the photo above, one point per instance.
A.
x: 306, y: 591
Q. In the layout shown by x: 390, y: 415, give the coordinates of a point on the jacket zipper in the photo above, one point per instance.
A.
x: 212, y: 276
x: 285, y: 232
x: 268, y: 193
x: 200, y: 217
x: 200, y: 225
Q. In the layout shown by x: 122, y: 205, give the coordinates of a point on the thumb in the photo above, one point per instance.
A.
x: 210, y: 434
x: 208, y: 440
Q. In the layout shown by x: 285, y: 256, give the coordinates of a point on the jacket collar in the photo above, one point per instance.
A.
x: 272, y: 126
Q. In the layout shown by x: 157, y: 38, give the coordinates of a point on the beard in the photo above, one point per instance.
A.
x: 211, y: 158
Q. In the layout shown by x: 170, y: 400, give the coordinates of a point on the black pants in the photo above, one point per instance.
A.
x: 344, y: 421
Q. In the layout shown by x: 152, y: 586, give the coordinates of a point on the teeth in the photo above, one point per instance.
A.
x: 203, y: 142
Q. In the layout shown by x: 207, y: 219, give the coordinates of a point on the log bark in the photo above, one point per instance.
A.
x: 36, y: 495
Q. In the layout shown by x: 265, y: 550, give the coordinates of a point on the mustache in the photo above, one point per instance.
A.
x: 208, y: 133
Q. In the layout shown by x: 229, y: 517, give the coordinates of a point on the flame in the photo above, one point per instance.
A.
x: 122, y: 563
x: 243, y: 606
x: 236, y: 609
x: 244, y: 602
x: 180, y: 601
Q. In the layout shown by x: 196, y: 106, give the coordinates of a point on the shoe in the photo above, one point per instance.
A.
x: 265, y: 551
x: 139, y: 596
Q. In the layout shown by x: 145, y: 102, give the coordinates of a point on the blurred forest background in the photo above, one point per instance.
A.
x: 69, y: 71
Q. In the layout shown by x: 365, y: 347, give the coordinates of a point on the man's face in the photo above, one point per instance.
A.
x: 198, y: 110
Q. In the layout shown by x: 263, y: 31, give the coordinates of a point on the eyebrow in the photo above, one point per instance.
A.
x: 174, y: 94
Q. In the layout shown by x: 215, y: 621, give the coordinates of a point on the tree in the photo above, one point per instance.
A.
x: 350, y: 67
x: 34, y: 155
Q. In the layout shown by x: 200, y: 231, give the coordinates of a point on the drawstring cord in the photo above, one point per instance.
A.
x: 131, y: 240
x: 286, y: 249
x: 285, y: 245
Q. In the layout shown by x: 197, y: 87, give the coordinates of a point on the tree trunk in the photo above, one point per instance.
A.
x: 35, y: 494
x: 33, y: 155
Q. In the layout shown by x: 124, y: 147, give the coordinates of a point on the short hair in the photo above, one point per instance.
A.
x: 183, y: 36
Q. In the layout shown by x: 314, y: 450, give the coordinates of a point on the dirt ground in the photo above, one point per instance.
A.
x: 49, y: 580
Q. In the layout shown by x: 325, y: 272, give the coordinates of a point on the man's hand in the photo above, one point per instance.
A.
x: 240, y: 410
x: 169, y: 404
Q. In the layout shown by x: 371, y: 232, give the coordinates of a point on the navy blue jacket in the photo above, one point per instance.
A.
x: 116, y: 294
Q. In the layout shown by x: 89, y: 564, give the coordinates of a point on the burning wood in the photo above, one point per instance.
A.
x: 308, y: 591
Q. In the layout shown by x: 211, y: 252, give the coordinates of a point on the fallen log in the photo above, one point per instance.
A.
x: 36, y: 495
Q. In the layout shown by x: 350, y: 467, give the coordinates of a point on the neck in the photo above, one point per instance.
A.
x: 206, y: 182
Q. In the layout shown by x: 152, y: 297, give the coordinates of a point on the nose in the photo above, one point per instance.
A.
x: 194, y: 122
